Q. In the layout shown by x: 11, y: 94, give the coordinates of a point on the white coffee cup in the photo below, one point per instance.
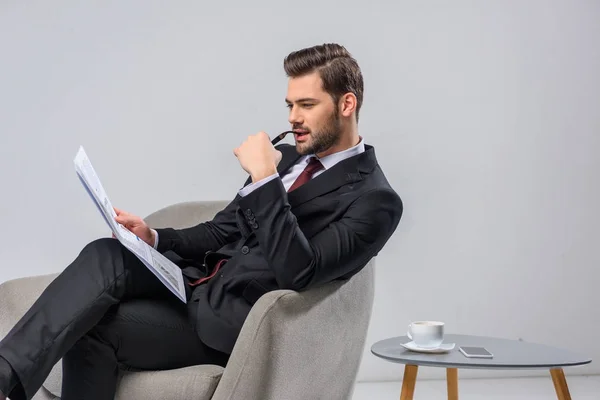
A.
x: 428, y: 334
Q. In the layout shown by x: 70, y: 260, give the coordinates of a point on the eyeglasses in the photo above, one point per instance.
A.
x: 280, y: 137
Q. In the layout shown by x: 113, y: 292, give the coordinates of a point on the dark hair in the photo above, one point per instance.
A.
x: 339, y: 71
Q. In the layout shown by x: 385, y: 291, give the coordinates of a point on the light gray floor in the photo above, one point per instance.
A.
x: 581, y: 388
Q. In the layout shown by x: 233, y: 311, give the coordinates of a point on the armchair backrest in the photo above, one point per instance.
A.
x: 185, y: 215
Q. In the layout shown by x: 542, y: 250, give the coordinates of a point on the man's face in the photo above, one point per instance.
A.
x: 314, y: 116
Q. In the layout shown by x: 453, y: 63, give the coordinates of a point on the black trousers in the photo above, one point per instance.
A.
x: 105, y: 311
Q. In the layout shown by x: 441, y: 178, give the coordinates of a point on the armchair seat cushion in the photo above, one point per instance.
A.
x: 197, y: 382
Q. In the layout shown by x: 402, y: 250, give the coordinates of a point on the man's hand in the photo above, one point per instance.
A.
x: 258, y: 157
x: 135, y: 225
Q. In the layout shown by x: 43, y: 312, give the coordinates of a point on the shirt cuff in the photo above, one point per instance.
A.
x: 155, y: 238
x: 253, y: 186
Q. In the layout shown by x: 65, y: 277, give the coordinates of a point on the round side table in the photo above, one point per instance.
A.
x: 508, y: 354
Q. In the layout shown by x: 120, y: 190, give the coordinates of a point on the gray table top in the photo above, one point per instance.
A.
x: 508, y: 354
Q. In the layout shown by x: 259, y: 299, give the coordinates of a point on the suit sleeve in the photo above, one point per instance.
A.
x: 341, y: 248
x: 195, y: 241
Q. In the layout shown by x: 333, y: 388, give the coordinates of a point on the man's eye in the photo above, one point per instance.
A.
x: 289, y: 106
x: 307, y: 105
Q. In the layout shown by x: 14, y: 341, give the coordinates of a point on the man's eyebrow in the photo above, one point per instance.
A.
x: 303, y: 100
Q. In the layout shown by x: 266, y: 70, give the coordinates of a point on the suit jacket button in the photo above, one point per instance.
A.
x: 248, y: 212
x: 254, y: 225
x: 245, y: 250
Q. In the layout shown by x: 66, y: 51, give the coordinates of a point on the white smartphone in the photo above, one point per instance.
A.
x: 475, y: 352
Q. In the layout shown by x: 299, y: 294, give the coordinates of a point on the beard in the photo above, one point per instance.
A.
x: 326, y: 137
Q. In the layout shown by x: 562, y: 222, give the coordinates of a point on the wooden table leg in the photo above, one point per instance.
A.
x: 452, y: 383
x: 560, y: 384
x: 408, y: 382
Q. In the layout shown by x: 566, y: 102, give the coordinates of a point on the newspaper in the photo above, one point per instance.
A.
x: 167, y: 272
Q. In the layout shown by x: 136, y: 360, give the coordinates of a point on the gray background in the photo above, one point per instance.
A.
x: 485, y: 116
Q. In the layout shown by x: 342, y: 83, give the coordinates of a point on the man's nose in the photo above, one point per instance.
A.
x: 295, y: 118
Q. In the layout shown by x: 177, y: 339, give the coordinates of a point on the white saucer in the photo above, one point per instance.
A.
x: 443, y: 348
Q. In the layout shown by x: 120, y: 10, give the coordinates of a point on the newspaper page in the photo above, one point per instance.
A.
x: 167, y: 272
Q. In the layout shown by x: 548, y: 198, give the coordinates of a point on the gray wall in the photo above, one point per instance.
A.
x: 485, y: 117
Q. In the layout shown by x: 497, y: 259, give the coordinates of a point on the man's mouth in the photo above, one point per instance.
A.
x: 301, y: 135
x: 300, y: 132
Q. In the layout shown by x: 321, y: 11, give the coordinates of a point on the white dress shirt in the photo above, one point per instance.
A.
x: 292, y: 174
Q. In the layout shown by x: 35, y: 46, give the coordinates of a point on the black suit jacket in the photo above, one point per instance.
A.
x: 327, y: 229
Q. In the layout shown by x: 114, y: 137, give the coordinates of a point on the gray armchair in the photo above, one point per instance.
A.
x: 293, y: 345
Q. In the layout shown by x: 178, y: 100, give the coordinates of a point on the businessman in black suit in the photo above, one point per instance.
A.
x: 308, y: 214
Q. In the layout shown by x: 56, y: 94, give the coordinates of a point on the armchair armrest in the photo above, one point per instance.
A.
x: 301, y: 345
x: 17, y: 296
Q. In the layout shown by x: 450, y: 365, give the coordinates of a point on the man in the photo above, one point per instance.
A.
x: 308, y: 214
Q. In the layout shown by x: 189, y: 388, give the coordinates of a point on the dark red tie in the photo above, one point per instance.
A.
x: 217, y: 268
x: 313, y: 166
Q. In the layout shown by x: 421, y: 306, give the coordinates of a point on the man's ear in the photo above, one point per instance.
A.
x: 348, y: 104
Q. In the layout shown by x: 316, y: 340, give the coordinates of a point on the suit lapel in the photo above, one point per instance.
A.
x: 289, y: 157
x: 345, y: 172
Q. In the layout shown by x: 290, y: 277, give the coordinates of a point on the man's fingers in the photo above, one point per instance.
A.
x: 120, y: 212
x: 278, y: 157
x: 125, y: 219
x: 263, y: 135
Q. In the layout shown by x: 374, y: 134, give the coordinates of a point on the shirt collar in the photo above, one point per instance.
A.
x: 332, y: 159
